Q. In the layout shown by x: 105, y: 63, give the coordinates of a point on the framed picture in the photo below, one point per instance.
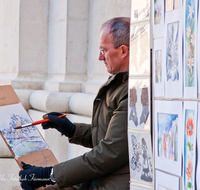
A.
x: 139, y: 104
x: 168, y: 136
x: 140, y: 156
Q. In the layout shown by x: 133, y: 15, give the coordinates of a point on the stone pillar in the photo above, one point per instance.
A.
x: 23, y: 48
x: 68, y: 40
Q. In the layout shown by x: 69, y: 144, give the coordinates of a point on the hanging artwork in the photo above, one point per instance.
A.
x: 158, y: 68
x: 173, y: 54
x: 166, y: 182
x: 169, y: 5
x: 21, y: 141
x: 168, y: 135
x: 198, y: 150
x: 190, y: 49
x: 190, y: 126
x: 140, y: 50
x: 158, y: 18
x: 139, y: 104
x: 140, y: 156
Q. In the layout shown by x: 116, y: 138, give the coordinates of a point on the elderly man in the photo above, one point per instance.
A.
x: 106, y: 166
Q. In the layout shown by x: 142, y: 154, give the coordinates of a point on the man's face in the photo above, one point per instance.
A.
x: 112, y: 57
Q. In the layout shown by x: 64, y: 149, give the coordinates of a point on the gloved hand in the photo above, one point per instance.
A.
x: 62, y: 124
x: 33, y: 177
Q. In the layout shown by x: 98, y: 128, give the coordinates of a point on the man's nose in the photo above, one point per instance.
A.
x: 101, y: 56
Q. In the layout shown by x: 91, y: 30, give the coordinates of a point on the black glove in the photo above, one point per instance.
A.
x: 62, y: 124
x: 33, y: 177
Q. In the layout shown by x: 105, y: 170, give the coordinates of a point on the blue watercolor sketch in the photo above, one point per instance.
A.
x: 21, y: 141
x: 167, y: 130
x: 172, y: 70
x: 190, y: 43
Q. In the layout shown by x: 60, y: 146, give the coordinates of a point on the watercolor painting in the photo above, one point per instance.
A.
x: 189, y: 151
x: 172, y: 68
x: 140, y: 157
x: 157, y: 12
x: 21, y: 141
x: 139, y: 104
x: 190, y: 43
x: 167, y: 130
x: 158, y: 66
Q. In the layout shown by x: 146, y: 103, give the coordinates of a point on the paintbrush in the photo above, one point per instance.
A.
x: 35, y: 123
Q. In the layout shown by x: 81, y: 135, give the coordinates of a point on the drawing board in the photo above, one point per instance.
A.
x: 158, y: 68
x: 173, y: 54
x: 190, y: 126
x: 190, y: 49
x: 165, y: 181
x: 139, y: 104
x: 168, y: 136
x: 140, y: 157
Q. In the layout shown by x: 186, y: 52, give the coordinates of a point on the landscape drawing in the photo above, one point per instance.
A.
x: 141, y: 157
x: 172, y: 62
x: 190, y: 43
x: 167, y: 127
x: 21, y: 141
x: 157, y: 12
x: 158, y: 66
x: 189, y: 151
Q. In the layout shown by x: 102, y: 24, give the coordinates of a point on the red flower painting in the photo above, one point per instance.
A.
x: 189, y: 126
x: 189, y: 169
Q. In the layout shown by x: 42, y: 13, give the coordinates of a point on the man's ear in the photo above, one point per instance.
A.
x: 124, y: 51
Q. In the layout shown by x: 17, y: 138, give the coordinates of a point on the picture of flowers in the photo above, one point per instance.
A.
x: 190, y: 43
x: 172, y: 71
x: 167, y: 130
x: 158, y: 66
x: 189, y: 151
x: 157, y: 11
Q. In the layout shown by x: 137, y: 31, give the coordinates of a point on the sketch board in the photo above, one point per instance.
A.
x: 139, y: 104
x: 168, y: 136
x: 140, y: 49
x: 165, y: 181
x: 158, y: 18
x: 140, y: 157
x: 173, y: 54
x: 25, y: 144
x: 158, y: 69
x: 190, y: 126
x: 190, y: 49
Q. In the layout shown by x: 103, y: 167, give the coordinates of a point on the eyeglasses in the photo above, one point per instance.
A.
x: 103, y: 51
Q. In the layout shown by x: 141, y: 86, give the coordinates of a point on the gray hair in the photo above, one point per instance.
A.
x: 119, y: 29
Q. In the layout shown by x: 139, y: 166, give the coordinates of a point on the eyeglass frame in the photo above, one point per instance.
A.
x: 102, y: 50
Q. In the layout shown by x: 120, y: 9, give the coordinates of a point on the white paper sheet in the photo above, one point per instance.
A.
x: 198, y: 150
x: 190, y: 49
x: 158, y: 68
x: 158, y: 16
x: 166, y: 182
x: 168, y: 136
x: 140, y: 157
x: 198, y: 54
x: 135, y: 186
x: 173, y: 54
x: 189, y: 158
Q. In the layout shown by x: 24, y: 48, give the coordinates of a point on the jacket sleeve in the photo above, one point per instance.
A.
x: 108, y: 156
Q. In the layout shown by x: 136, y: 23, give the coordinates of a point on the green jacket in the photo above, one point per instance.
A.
x: 107, y: 164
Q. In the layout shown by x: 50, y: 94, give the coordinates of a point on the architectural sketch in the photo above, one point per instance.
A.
x: 21, y: 141
x: 172, y: 46
x: 140, y: 157
x: 158, y: 66
x: 167, y: 129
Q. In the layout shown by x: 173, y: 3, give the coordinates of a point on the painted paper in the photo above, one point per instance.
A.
x: 21, y: 141
x: 140, y: 156
x: 190, y: 111
x: 139, y: 104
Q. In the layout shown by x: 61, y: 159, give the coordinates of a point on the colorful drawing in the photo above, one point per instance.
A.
x: 157, y: 12
x: 190, y: 43
x: 189, y: 140
x: 21, y: 141
x: 141, y: 159
x: 167, y: 127
x: 158, y: 66
x: 172, y: 71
